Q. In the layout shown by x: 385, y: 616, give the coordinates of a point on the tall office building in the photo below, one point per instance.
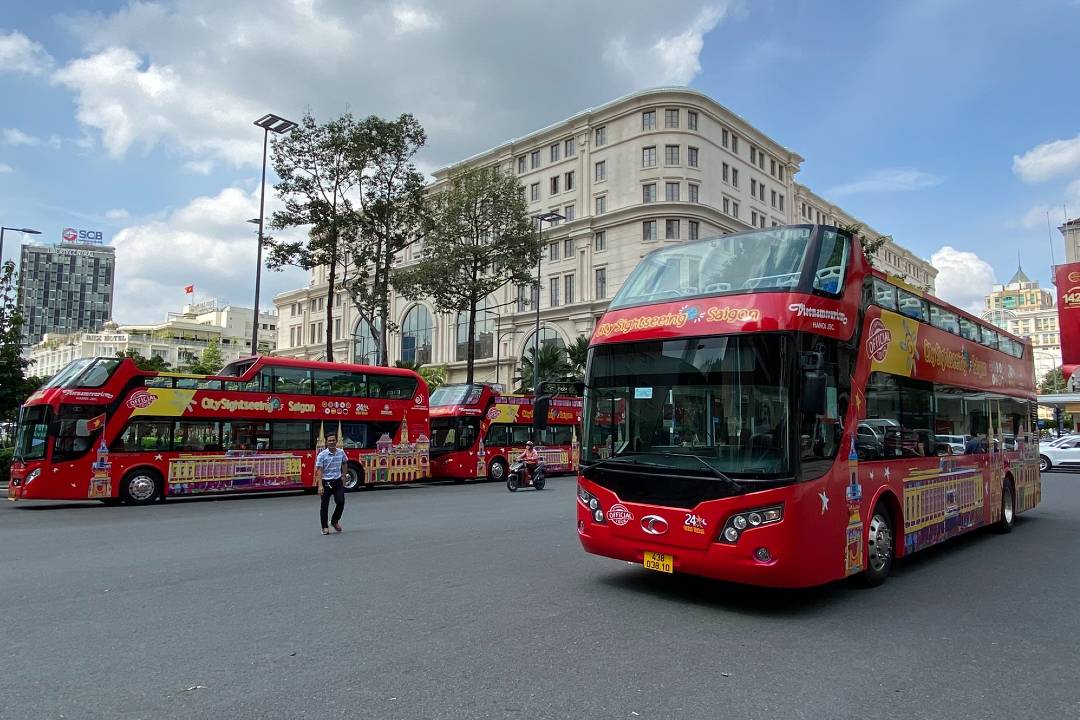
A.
x: 1023, y: 308
x: 1071, y: 232
x: 65, y: 288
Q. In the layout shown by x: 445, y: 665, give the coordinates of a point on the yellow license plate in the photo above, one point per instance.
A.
x: 659, y: 562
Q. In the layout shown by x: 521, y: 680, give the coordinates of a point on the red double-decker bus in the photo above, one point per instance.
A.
x: 476, y: 432
x: 766, y: 408
x: 101, y: 428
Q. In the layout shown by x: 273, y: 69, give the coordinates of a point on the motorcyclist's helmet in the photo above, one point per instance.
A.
x: 529, y: 443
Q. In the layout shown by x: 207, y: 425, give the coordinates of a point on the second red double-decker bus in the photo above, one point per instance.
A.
x: 103, y: 429
x: 766, y: 408
x: 476, y: 432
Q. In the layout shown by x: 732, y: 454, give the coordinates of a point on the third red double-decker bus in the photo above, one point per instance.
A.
x: 103, y: 429
x: 766, y: 408
x: 476, y: 432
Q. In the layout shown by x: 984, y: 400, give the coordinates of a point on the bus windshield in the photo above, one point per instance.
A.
x: 745, y: 262
x: 700, y: 405
x: 32, y: 433
x: 448, y: 395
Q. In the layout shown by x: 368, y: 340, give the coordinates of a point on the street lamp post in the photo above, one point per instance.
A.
x: 25, y: 231
x: 270, y: 123
x: 549, y: 217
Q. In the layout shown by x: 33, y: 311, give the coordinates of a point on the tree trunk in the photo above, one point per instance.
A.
x: 330, y: 301
x: 472, y: 345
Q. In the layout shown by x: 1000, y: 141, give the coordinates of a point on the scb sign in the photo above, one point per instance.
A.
x: 74, y: 235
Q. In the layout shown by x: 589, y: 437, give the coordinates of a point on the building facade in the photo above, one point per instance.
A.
x: 654, y: 168
x: 64, y: 288
x: 1021, y: 307
x: 180, y: 339
x: 1071, y: 232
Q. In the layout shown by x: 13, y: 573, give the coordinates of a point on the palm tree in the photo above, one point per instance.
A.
x: 553, y: 366
x: 578, y: 354
x: 434, y: 375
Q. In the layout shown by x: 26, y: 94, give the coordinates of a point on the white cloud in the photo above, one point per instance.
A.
x: 19, y: 53
x: 963, y: 279
x: 199, y: 167
x: 1049, y: 160
x: 1036, y: 217
x: 117, y: 214
x: 14, y: 136
x: 207, y: 242
x: 6, y: 169
x: 190, y: 77
x: 888, y: 180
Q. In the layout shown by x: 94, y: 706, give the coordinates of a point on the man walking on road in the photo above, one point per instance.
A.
x: 329, y: 466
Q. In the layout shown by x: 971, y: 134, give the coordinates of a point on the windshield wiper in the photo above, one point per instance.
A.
x: 713, y: 470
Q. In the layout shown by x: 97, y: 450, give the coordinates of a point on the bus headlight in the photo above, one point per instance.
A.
x: 590, y: 502
x: 749, y: 519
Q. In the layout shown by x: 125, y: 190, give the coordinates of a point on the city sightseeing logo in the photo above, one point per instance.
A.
x: 877, y: 341
x: 679, y: 319
x: 140, y: 400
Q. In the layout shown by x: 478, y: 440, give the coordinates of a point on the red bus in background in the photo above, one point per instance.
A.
x: 103, y: 429
x: 766, y: 408
x: 476, y: 432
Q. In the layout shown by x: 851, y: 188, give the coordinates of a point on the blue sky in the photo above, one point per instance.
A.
x: 949, y: 124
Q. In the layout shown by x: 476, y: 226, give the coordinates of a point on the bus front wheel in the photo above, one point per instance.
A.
x: 879, y: 547
x: 497, y: 470
x: 354, y: 477
x: 141, y: 487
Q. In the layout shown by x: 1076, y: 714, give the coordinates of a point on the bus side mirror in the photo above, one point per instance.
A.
x: 541, y: 406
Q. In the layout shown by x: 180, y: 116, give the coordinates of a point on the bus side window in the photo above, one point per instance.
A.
x: 496, y: 435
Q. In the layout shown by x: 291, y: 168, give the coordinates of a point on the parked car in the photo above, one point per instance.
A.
x: 1065, y: 454
x: 956, y: 443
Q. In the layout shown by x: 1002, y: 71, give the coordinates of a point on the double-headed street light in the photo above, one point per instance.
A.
x: 270, y: 123
x: 549, y: 217
x: 25, y: 231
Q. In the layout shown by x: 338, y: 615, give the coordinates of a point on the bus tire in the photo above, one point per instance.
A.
x: 880, y: 547
x: 497, y: 470
x: 353, y: 478
x: 1044, y: 464
x: 1008, y: 508
x: 141, y: 486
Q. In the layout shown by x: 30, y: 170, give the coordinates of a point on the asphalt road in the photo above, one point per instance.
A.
x: 470, y: 602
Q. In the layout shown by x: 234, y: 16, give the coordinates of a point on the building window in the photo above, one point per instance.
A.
x: 693, y: 190
x: 648, y: 193
x: 568, y: 289
x: 780, y: 173
x: 521, y: 165
x: 569, y: 147
x: 523, y: 294
x: 735, y: 177
x: 781, y: 198
x: 671, y: 229
x: 416, y: 336
x: 568, y: 213
x: 734, y: 143
x: 753, y: 218
x: 483, y: 332
x: 553, y: 296
x: 601, y: 283
x: 555, y: 185
x: 671, y: 154
x: 724, y: 137
x: 761, y: 191
x: 772, y: 198
x: 337, y: 329
x: 601, y: 136
x: 568, y: 248
x: 734, y: 209
x: 725, y: 173
x: 671, y: 118
x: 671, y: 191
x: 691, y: 120
x: 772, y: 167
x: 600, y: 241
x: 312, y: 334
x: 648, y: 120
x: 753, y: 187
x: 601, y: 170
x: 727, y: 206
x: 534, y: 192
x: 601, y: 204
x: 648, y: 156
x: 692, y: 157
x: 753, y: 155
x: 648, y: 230
x: 695, y: 229
x: 569, y: 181
x: 535, y: 159
x: 555, y: 152
x: 761, y: 160
x: 553, y: 251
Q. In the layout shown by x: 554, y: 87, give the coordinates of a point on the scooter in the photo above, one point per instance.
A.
x: 519, y: 476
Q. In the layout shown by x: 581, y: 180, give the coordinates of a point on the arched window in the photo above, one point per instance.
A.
x: 548, y: 336
x: 485, y: 334
x: 365, y: 345
x: 416, y: 336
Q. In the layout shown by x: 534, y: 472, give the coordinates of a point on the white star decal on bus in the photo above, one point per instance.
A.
x: 886, y: 473
x: 871, y: 476
x: 158, y: 456
x: 824, y: 501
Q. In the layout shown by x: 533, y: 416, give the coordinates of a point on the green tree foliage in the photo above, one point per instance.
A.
x: 393, y: 210
x: 320, y: 168
x: 553, y: 365
x: 478, y: 239
x: 154, y: 363
x: 210, y: 362
x: 1053, y: 382
x: 434, y: 375
x: 12, y: 365
x: 578, y: 354
x: 870, y: 247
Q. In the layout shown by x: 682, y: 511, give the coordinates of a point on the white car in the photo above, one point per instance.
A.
x: 1065, y: 454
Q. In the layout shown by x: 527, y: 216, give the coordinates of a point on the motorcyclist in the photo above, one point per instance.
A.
x: 530, y: 457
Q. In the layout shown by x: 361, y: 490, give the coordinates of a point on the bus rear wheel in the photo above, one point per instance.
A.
x: 497, y: 470
x: 879, y: 547
x: 353, y: 478
x: 141, y: 487
x: 1008, y: 508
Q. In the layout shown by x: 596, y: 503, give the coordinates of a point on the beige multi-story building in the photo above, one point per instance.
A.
x: 1023, y: 308
x: 649, y: 169
x: 181, y: 338
x: 1071, y: 232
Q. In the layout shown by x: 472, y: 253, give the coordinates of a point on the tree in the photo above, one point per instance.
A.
x: 870, y: 246
x: 12, y: 365
x: 320, y: 169
x: 210, y: 362
x: 553, y: 366
x: 434, y: 375
x: 1053, y: 382
x: 478, y: 239
x: 155, y: 363
x: 393, y: 209
x: 578, y: 354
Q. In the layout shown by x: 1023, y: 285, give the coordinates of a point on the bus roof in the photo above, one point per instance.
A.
x: 275, y: 361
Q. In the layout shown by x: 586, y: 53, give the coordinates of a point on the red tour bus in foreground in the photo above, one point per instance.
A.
x: 101, y: 428
x: 766, y: 408
x: 476, y: 432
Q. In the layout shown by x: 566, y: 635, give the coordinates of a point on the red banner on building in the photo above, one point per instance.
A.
x: 1067, y: 279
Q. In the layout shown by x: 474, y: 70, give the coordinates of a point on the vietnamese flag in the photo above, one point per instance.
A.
x: 95, y: 423
x: 189, y: 289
